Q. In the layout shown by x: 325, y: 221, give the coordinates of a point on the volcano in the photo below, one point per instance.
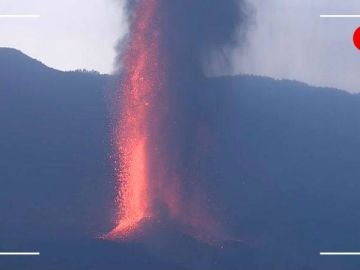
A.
x: 160, y: 138
x: 284, y: 177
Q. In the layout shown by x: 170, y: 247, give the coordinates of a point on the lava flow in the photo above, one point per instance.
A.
x: 161, y: 134
x: 140, y: 85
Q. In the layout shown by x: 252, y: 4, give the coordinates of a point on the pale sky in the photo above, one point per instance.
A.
x: 286, y: 40
x: 289, y: 40
x: 71, y: 34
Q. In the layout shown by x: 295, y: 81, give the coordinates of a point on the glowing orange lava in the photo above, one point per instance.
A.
x: 140, y: 81
x: 148, y: 184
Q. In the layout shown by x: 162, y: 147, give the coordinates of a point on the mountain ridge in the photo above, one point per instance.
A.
x: 12, y: 54
x: 281, y: 169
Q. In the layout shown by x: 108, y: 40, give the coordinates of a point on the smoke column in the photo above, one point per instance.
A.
x: 161, y: 136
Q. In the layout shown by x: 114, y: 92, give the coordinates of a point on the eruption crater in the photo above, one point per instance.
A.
x: 161, y: 135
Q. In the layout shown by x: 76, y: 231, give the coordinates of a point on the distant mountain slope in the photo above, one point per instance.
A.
x: 54, y: 143
x: 15, y: 60
x: 282, y: 166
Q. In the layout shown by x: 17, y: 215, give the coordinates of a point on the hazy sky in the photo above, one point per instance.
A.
x: 70, y: 34
x: 289, y: 40
x: 286, y: 40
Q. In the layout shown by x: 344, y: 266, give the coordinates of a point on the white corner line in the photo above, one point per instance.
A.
x: 19, y: 16
x: 339, y: 253
x: 340, y: 16
x: 19, y: 253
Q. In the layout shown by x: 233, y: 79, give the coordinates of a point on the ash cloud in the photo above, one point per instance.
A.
x: 191, y: 30
x: 182, y: 140
x: 196, y: 28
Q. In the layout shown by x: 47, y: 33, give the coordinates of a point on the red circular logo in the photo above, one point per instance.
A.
x: 357, y: 38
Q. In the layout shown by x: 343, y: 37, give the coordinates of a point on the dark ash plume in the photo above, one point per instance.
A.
x: 187, y: 31
x: 192, y: 29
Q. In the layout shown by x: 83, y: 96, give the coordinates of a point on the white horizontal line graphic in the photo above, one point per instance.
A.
x: 19, y: 253
x: 344, y: 16
x: 339, y: 253
x: 19, y: 16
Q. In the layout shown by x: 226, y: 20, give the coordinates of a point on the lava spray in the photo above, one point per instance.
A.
x: 160, y: 131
